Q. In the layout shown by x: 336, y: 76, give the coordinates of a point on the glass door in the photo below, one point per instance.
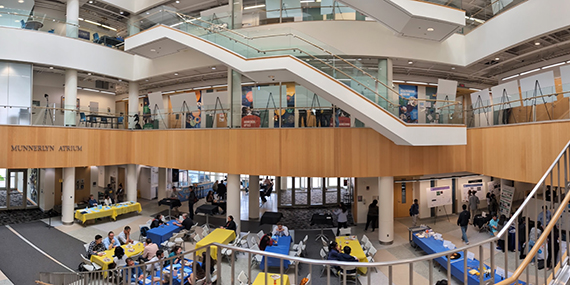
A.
x: 16, y: 189
x: 3, y: 191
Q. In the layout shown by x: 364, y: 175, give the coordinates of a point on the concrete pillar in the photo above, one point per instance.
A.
x: 131, y: 182
x: 72, y: 18
x: 234, y: 87
x: 386, y: 214
x: 277, y: 189
x: 68, y: 196
x: 162, y: 182
x: 254, y: 197
x: 233, y: 198
x: 133, y: 104
x: 70, y: 93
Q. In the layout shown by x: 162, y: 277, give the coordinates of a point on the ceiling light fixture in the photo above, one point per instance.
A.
x: 121, y: 12
x: 474, y: 89
x: 220, y: 86
x: 92, y: 90
x: 510, y: 77
x: 175, y: 25
x: 410, y: 62
x: 120, y: 79
x: 51, y: 67
x: 213, y: 67
x: 146, y: 80
x: 177, y: 2
x: 152, y: 50
x: 530, y: 71
x: 496, y: 58
x: 175, y: 73
x: 147, y: 13
x: 553, y: 65
x: 398, y: 81
x: 20, y: 1
x: 453, y: 67
x: 255, y: 6
x: 110, y: 28
x: 430, y: 29
x: 108, y: 92
x: 415, y: 82
x: 1, y: 7
x: 359, y: 59
x: 88, y: 73
x: 537, y: 43
x: 91, y: 2
x: 432, y: 84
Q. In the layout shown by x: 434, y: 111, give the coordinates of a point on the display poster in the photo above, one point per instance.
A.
x: 288, y: 115
x: 432, y: 115
x: 494, y: 186
x: 408, y: 103
x: 193, y: 119
x: 439, y: 196
x: 477, y: 187
x: 507, y: 194
x: 250, y: 121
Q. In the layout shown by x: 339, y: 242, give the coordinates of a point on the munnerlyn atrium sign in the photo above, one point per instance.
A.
x: 46, y: 148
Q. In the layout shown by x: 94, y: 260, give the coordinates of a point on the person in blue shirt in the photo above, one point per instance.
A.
x: 494, y: 225
x: 334, y: 250
x: 110, y: 241
x: 541, y: 217
x: 92, y: 202
x: 345, y: 256
x: 134, y: 274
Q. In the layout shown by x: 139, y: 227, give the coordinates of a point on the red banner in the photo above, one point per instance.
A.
x: 250, y: 121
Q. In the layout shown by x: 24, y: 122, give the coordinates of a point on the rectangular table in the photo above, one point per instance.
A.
x: 356, y: 250
x: 222, y: 236
x: 107, y: 258
x: 282, y: 247
x: 263, y: 279
x: 162, y: 233
x: 271, y: 218
x: 105, y: 211
x: 110, y: 119
x: 431, y: 246
x: 176, y: 279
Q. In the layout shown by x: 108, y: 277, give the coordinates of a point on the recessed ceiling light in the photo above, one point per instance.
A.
x: 90, y: 2
x: 537, y: 43
x: 51, y: 67
x: 430, y: 29
x: 1, y: 6
x: 360, y: 59
x: 122, y: 12
x: 146, y: 80
x: 175, y: 73
x: 213, y: 67
x: 177, y: 2
x: 16, y: 21
x: 152, y: 50
x: 88, y: 73
x: 147, y: 13
x: 120, y: 79
x: 496, y: 58
x: 410, y: 62
x: 20, y: 1
x: 453, y: 67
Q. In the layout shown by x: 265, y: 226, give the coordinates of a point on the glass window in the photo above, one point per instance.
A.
x: 403, y: 193
x: 2, y: 178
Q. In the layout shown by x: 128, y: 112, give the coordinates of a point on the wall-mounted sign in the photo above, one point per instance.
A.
x: 46, y: 148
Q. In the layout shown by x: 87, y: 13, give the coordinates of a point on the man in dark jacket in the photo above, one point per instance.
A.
x: 463, y: 222
x: 414, y: 212
x: 191, y: 200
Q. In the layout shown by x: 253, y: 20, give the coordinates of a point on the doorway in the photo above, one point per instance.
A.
x: 403, y: 199
x: 14, y: 193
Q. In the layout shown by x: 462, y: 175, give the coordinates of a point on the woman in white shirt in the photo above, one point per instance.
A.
x: 120, y: 257
x: 342, y: 215
x: 107, y: 201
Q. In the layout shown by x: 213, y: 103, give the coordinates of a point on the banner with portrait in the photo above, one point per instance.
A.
x: 408, y: 103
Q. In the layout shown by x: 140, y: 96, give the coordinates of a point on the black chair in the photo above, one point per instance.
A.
x: 103, y: 121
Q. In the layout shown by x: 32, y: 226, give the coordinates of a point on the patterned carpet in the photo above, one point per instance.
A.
x: 10, y: 217
x: 15, y: 198
x: 316, y: 196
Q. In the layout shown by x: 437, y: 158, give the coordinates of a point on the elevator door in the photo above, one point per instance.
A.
x: 403, y: 199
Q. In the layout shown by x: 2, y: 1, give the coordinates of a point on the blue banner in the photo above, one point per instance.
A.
x: 409, y: 103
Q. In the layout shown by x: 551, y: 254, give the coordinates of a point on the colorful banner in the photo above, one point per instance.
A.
x: 193, y: 119
x: 409, y: 103
x: 507, y: 194
x: 477, y: 187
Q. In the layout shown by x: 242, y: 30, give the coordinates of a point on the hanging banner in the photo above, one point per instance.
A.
x: 250, y: 121
x: 439, y: 196
x: 193, y: 119
x: 507, y: 194
x: 477, y: 187
x: 409, y: 103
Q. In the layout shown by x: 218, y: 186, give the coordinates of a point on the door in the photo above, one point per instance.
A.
x: 16, y: 189
x: 403, y: 199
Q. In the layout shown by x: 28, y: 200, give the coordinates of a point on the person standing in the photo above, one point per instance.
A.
x: 120, y: 193
x: 463, y: 222
x: 372, y: 217
x: 414, y: 212
x: 473, y: 204
x: 222, y: 189
x: 342, y: 214
x: 191, y: 200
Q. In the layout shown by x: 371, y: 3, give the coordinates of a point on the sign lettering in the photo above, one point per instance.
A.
x: 36, y: 148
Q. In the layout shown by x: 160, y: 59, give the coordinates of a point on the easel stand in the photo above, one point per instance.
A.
x: 47, y: 112
x: 266, y: 119
x: 435, y: 217
x: 218, y: 101
x: 322, y: 235
x: 156, y: 111
x: 50, y: 212
x: 535, y: 95
x: 505, y: 104
x: 478, y: 105
x: 184, y: 110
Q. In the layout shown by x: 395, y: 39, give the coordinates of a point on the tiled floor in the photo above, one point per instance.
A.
x: 400, y: 249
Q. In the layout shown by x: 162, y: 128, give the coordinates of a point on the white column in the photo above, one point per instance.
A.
x: 234, y: 89
x: 72, y: 27
x: 70, y: 93
x: 233, y: 198
x: 386, y: 214
x: 131, y: 182
x: 68, y: 196
x: 277, y: 189
x: 162, y: 181
x: 254, y: 197
x: 133, y: 103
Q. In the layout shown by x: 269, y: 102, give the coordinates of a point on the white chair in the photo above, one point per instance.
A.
x: 243, y: 240
x: 201, y: 281
x: 349, y: 276
x: 308, y: 279
x: 367, y: 246
x: 297, y: 246
x: 86, y: 246
x: 197, y: 238
x: 88, y: 265
x: 305, y: 239
x: 324, y: 255
x: 242, y: 278
x: 256, y: 258
x: 345, y: 232
x: 370, y: 256
x: 324, y: 242
x: 364, y: 240
x: 260, y: 234
x: 252, y: 242
x: 206, y: 228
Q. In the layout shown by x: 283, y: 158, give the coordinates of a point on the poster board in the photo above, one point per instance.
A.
x: 512, y: 99
x: 439, y: 196
x: 537, y: 85
x: 506, y: 201
x: 565, y: 78
x: 485, y: 97
x: 479, y: 187
x: 155, y: 99
x: 446, y: 90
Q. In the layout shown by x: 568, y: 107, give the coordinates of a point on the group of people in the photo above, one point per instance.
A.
x: 279, y: 231
x: 341, y: 254
x: 109, y: 196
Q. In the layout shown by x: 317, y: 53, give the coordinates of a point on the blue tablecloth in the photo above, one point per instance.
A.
x: 282, y: 247
x: 431, y: 246
x: 162, y: 233
x: 176, y: 280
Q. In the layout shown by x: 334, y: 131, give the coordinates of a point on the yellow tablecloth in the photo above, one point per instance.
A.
x: 112, y: 212
x: 355, y: 250
x: 260, y: 279
x: 137, y: 249
x: 222, y: 236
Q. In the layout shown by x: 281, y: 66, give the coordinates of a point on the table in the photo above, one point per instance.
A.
x: 130, y: 251
x: 107, y: 40
x: 282, y: 247
x: 33, y: 25
x: 222, y: 236
x: 413, y: 230
x: 431, y: 245
x: 177, y: 279
x: 171, y: 203
x: 323, y: 220
x: 105, y: 211
x: 263, y: 279
x: 271, y: 218
x: 163, y: 233
x: 356, y: 250
x: 208, y: 210
x: 112, y: 119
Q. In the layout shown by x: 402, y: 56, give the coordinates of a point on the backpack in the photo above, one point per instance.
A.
x: 144, y: 230
x: 411, y: 210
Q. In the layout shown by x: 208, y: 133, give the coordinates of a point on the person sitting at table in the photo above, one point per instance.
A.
x: 156, y: 222
x: 125, y: 236
x: 345, y: 256
x: 96, y: 246
x: 221, y: 206
x: 109, y: 192
x: 265, y: 241
x: 92, y: 202
x: 334, y: 250
x: 196, y: 271
x: 149, y: 251
x: 177, y: 250
x: 107, y: 201
x: 120, y: 257
x: 159, y: 255
x: 110, y: 241
x: 230, y: 225
x: 280, y: 230
x: 212, y: 262
x: 135, y: 274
